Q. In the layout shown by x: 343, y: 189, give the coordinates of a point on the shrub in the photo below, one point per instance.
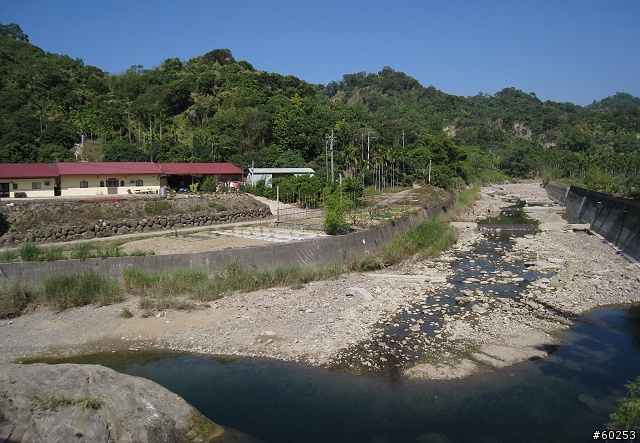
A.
x: 210, y: 184
x: 52, y: 253
x: 336, y: 207
x: 29, y: 252
x: 217, y: 206
x: 8, y: 255
x: 627, y: 416
x: 68, y: 291
x: 126, y: 313
x: 14, y: 299
x: 81, y: 251
x: 157, y: 207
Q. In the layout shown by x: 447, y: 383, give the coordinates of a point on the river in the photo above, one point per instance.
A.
x: 565, y: 397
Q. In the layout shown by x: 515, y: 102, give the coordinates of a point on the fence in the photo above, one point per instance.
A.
x: 291, y: 213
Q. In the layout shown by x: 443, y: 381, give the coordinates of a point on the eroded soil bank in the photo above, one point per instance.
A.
x: 320, y: 323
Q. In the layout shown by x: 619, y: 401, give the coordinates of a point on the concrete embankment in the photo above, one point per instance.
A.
x: 617, y: 220
x: 316, y: 252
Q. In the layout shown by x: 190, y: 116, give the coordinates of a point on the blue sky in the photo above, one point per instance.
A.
x: 563, y: 50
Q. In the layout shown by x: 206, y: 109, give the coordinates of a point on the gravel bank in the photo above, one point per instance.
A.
x: 319, y: 323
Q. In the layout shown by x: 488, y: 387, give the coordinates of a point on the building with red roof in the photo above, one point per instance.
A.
x: 181, y: 175
x: 35, y: 179
x: 100, y: 178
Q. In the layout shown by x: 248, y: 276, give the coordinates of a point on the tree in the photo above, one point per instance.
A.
x: 14, y: 32
x: 122, y: 151
x: 336, y: 206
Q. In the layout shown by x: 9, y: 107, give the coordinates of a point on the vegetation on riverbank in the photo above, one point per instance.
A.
x: 627, y: 416
x: 183, y: 288
x: 32, y: 252
x: 425, y: 240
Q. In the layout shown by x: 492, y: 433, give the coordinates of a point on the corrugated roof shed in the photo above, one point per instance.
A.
x: 28, y: 170
x: 199, y: 168
x: 108, y: 168
x: 282, y: 170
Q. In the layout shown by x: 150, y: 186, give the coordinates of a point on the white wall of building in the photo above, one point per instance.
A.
x: 33, y: 187
x: 79, y: 185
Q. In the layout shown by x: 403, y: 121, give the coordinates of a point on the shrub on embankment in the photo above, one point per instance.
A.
x: 182, y: 288
x: 179, y: 289
x: 427, y: 239
x: 60, y: 292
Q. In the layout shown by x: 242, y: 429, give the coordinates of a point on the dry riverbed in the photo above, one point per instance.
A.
x: 319, y: 323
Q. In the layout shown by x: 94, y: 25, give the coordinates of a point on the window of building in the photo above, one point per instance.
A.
x: 139, y: 182
x: 121, y: 182
x: 102, y: 183
x: 36, y: 185
x: 84, y: 184
x: 14, y: 186
x: 112, y: 183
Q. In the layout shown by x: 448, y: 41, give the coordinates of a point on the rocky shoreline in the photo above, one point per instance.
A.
x: 320, y: 323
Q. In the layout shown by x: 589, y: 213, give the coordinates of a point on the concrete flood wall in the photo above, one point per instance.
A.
x: 617, y: 220
x: 317, y: 252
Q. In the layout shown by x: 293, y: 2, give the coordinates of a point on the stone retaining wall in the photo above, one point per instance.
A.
x: 317, y: 252
x: 121, y: 227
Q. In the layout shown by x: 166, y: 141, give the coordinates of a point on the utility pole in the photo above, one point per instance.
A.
x: 370, y: 136
x: 331, y: 139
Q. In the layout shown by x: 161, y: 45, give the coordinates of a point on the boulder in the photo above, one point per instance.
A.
x: 92, y: 403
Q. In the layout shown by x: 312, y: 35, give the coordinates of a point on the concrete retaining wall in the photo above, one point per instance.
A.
x: 616, y: 219
x: 317, y: 252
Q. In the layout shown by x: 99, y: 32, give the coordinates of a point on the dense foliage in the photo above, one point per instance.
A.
x: 385, y: 129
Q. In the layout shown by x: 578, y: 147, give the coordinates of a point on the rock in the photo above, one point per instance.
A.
x: 366, y: 295
x: 69, y: 402
x: 493, y: 208
x: 532, y: 305
x: 478, y: 309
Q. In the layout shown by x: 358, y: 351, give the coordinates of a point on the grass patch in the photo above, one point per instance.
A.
x: 217, y: 206
x: 81, y: 251
x: 53, y: 402
x: 126, y: 313
x: 157, y: 207
x: 68, y: 291
x: 8, y: 255
x: 29, y: 252
x: 52, y: 253
x: 427, y: 239
x: 176, y: 288
x: 14, y: 298
x: 109, y: 251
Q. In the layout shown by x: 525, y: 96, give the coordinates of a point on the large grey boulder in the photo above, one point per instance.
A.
x: 92, y: 403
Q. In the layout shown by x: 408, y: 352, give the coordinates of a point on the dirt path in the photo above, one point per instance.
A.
x: 315, y: 324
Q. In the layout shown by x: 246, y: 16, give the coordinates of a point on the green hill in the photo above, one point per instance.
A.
x: 387, y: 127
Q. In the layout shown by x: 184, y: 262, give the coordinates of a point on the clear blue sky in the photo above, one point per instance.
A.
x: 563, y: 50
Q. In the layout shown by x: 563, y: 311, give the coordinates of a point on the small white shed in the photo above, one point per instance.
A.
x: 267, y: 174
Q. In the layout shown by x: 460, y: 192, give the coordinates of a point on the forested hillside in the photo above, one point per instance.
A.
x: 387, y: 128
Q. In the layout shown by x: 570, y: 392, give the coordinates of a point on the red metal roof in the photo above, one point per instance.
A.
x: 199, y: 168
x: 28, y: 170
x: 44, y: 170
x: 108, y: 168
